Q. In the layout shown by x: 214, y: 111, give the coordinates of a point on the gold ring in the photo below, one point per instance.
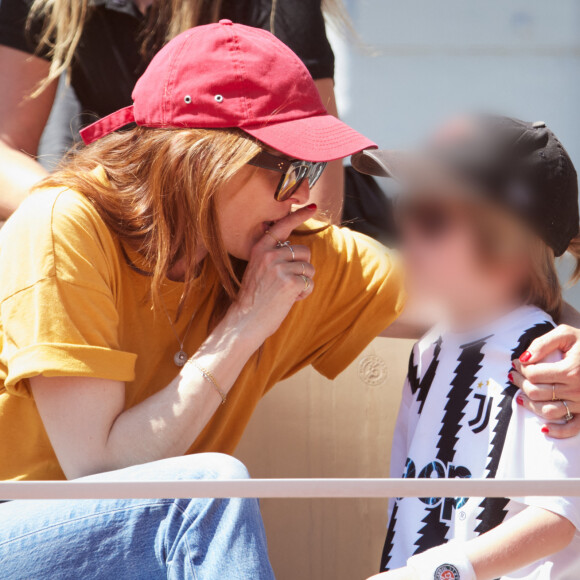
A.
x: 306, y: 282
x: 273, y: 237
x: 303, y: 269
x: 554, y: 398
x: 569, y: 415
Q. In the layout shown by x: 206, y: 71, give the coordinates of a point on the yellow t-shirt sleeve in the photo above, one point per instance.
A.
x: 358, y: 293
x: 58, y: 309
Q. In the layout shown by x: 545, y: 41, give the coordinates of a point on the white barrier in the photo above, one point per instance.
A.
x: 289, y: 488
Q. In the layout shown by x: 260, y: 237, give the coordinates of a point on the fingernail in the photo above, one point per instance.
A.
x: 312, y: 206
x: 526, y: 356
x: 510, y: 377
x: 514, y: 364
x: 520, y: 401
x: 545, y: 429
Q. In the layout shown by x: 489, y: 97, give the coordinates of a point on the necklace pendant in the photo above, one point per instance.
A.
x: 180, y: 358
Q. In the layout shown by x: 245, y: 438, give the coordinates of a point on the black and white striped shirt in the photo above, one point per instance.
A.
x: 459, y: 418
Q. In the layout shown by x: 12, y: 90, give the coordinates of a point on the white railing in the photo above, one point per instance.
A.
x: 289, y: 488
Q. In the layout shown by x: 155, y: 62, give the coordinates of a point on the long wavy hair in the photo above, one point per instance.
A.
x: 64, y: 21
x: 159, y: 197
x: 501, y: 236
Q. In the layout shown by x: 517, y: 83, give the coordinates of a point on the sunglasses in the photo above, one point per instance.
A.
x: 433, y: 220
x: 294, y: 173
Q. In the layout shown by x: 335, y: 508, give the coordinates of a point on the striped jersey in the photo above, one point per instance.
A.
x: 459, y: 418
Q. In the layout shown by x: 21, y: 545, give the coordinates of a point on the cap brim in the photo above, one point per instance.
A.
x: 413, y: 170
x: 399, y: 165
x: 319, y: 138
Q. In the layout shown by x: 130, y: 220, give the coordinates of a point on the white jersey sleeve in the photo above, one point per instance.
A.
x: 530, y: 454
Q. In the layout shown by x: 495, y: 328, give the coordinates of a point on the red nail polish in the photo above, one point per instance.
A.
x: 545, y: 429
x: 526, y: 356
x: 510, y: 377
x: 312, y: 206
x: 520, y: 401
x: 514, y: 364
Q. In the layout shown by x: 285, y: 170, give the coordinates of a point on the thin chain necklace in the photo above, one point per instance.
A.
x: 180, y: 357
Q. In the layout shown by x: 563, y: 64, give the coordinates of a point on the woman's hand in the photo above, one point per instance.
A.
x: 541, y: 380
x: 399, y: 574
x: 276, y: 277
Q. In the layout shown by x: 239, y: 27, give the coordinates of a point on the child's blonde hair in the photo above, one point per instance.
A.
x: 500, y: 233
x: 545, y: 288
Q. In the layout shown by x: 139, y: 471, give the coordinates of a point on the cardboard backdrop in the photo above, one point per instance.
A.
x: 308, y: 426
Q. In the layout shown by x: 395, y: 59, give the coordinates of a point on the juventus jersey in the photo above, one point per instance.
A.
x: 459, y: 418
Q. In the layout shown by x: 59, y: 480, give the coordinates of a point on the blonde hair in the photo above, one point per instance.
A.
x: 545, y: 290
x: 64, y: 22
x: 501, y: 235
x: 159, y: 197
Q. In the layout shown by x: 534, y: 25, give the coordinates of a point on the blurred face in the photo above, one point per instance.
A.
x: 441, y: 246
x: 247, y: 208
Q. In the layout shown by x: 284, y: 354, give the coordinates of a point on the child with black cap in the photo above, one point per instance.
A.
x: 489, y: 203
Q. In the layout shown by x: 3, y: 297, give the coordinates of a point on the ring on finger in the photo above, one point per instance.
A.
x: 306, y: 281
x: 303, y: 269
x: 286, y: 245
x: 569, y: 415
x: 554, y: 398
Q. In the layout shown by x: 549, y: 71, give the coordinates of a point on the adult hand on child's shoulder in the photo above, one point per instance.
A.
x: 548, y: 385
x: 399, y: 574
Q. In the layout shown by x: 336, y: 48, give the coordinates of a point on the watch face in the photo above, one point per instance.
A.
x: 446, y: 572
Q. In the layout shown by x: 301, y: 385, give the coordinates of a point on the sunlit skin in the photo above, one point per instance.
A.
x: 112, y: 436
x: 246, y: 208
x: 447, y: 269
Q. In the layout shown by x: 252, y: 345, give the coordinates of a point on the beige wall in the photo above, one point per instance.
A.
x: 311, y: 427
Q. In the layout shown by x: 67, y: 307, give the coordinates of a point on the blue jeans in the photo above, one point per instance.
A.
x: 201, y: 539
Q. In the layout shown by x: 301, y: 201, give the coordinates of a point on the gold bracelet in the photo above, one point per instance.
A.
x: 210, y: 379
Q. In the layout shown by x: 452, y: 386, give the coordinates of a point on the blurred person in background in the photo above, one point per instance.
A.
x: 103, y: 46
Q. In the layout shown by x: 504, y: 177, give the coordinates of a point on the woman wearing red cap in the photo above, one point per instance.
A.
x: 155, y: 288
x: 104, y: 46
x: 154, y: 291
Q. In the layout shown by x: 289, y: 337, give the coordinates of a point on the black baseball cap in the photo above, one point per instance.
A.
x: 520, y: 165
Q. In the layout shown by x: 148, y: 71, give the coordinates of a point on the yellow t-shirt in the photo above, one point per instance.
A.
x: 72, y: 305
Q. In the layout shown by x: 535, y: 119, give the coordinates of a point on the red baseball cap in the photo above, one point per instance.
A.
x: 228, y: 75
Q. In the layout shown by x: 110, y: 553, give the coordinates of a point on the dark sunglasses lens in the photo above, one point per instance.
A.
x: 295, y: 177
x: 432, y: 220
x: 316, y: 170
x: 291, y: 182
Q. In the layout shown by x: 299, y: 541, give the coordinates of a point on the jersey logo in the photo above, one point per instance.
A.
x: 481, y: 420
x: 447, y: 572
x: 439, y: 471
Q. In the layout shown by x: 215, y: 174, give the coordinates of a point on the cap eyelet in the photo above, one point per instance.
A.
x: 219, y: 98
x: 187, y: 99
